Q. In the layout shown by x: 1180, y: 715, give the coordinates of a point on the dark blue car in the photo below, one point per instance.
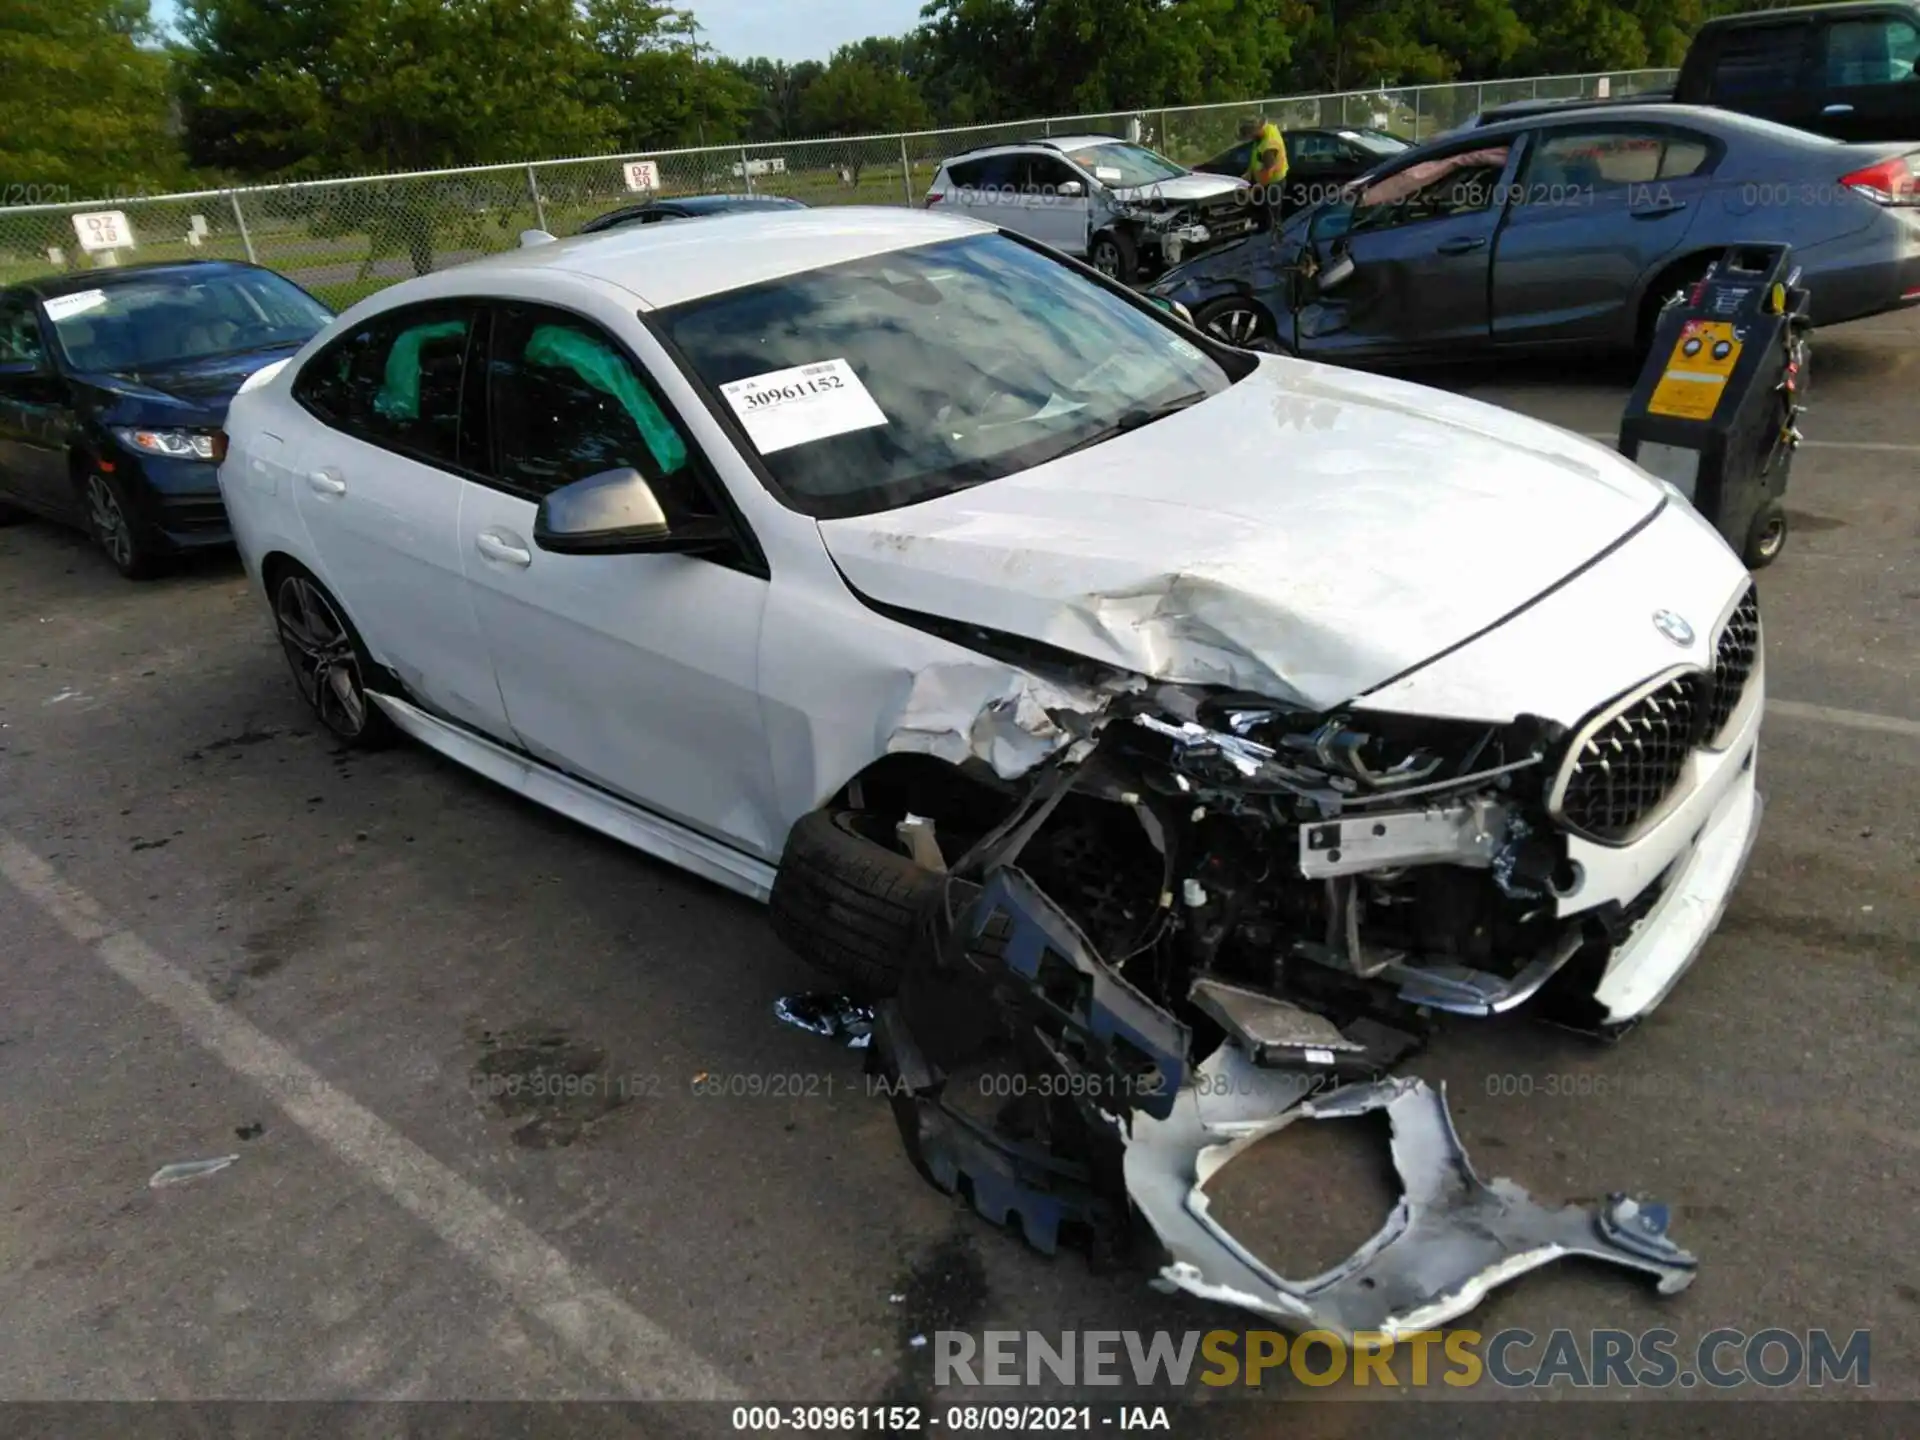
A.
x: 113, y: 386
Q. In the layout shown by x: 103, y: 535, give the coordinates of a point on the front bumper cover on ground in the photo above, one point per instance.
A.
x: 1129, y: 1131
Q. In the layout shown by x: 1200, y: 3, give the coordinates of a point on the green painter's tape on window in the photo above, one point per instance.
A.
x: 600, y: 366
x: 399, y: 397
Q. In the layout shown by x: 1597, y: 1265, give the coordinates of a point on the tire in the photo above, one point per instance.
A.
x: 329, y: 662
x: 1240, y: 322
x: 112, y: 522
x: 1114, y: 256
x: 1766, y: 536
x: 847, y: 904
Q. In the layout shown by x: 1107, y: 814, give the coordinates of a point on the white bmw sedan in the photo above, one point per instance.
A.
x: 836, y: 554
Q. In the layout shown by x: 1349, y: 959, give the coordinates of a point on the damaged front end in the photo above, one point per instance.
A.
x: 1166, y: 231
x: 1210, y: 917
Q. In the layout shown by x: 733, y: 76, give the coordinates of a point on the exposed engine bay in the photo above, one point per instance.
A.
x: 1166, y: 230
x: 1216, y: 847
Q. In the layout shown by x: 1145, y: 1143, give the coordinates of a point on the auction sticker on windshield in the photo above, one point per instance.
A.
x: 784, y: 408
x: 61, y: 307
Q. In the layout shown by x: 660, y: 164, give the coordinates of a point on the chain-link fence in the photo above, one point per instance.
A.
x: 344, y: 239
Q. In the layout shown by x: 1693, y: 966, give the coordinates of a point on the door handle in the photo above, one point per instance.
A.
x: 1463, y: 245
x: 1838, y: 110
x: 1654, y: 212
x: 494, y: 547
x: 326, y: 482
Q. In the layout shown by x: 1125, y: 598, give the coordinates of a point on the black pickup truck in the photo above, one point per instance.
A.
x: 1846, y: 70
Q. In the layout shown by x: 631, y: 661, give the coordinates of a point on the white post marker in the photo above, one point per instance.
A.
x: 784, y: 408
x: 642, y: 174
x: 103, y: 230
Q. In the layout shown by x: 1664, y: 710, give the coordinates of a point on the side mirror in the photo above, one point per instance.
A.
x: 617, y: 513
x: 22, y: 369
x: 1070, y: 190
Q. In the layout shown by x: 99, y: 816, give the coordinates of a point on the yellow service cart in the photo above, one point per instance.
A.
x: 1717, y: 407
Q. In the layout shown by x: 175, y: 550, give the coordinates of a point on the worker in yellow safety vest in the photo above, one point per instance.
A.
x: 1266, y: 163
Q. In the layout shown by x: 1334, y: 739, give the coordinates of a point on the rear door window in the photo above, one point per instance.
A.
x: 398, y: 382
x: 990, y: 172
x: 1575, y: 162
x: 1760, y: 60
x: 1880, y: 50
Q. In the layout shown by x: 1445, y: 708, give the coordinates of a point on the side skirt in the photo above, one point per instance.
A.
x: 618, y: 819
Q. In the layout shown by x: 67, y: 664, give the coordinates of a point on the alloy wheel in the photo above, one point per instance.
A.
x: 1238, y: 325
x: 109, y: 521
x: 321, y: 651
x: 1772, y: 538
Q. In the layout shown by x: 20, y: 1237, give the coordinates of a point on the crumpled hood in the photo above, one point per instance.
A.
x: 1182, y: 187
x: 1307, y: 535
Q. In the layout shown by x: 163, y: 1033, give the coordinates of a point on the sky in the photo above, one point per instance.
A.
x: 782, y: 29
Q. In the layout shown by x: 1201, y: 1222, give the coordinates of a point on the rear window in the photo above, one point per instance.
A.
x: 1759, y: 60
x: 904, y: 376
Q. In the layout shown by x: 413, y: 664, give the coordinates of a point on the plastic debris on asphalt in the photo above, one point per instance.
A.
x: 837, y: 1017
x: 185, y: 1170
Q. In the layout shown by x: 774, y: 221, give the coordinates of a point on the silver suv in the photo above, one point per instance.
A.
x: 1115, y: 204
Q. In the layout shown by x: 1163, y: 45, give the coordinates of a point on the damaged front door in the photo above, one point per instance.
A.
x: 1421, y: 243
x: 635, y: 672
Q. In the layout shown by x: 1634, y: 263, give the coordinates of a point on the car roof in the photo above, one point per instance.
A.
x: 1070, y: 143
x: 667, y: 264
x: 1839, y: 11
x: 726, y: 204
x: 1060, y: 143
x: 1705, y: 117
x: 108, y: 276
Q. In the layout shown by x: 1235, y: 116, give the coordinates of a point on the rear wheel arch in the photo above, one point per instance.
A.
x: 1673, y: 275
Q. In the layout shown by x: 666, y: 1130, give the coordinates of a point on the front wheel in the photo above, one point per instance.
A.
x: 111, y: 522
x: 329, y: 663
x: 1114, y: 256
x: 1240, y: 322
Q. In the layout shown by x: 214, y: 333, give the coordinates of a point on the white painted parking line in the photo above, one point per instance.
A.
x: 1847, y: 719
x: 633, y: 1352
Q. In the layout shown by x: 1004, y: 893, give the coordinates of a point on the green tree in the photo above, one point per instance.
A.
x: 1356, y: 44
x: 85, y: 109
x: 332, y: 86
x: 778, y: 89
x: 665, y: 92
x: 1006, y: 59
x: 854, y: 96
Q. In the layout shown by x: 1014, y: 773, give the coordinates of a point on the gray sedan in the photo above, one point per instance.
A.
x: 1550, y: 232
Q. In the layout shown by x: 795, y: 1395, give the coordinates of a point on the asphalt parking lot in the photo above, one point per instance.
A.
x: 225, y: 938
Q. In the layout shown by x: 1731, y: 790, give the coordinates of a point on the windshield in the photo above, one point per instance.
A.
x: 895, y: 378
x: 174, y: 319
x: 1124, y: 166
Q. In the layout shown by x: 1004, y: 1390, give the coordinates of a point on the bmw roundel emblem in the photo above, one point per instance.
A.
x: 1673, y: 627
